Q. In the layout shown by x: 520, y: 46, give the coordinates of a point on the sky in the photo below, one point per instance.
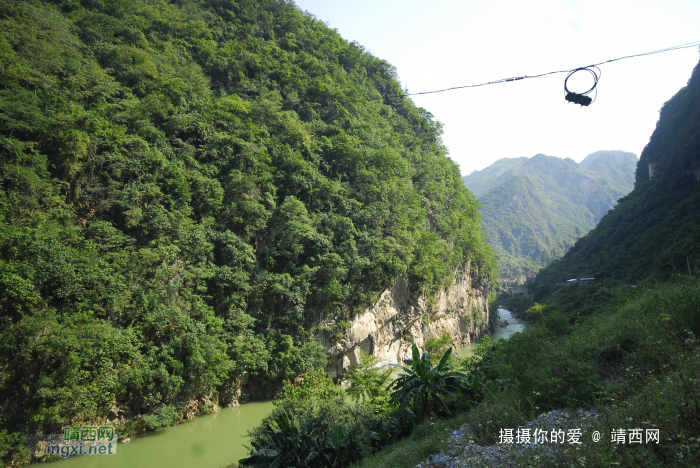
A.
x: 440, y: 44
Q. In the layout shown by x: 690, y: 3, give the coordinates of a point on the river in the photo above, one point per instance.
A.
x: 215, y: 440
x: 514, y: 325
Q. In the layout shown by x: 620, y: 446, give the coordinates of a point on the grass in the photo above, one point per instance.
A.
x: 426, y: 438
x: 637, y: 360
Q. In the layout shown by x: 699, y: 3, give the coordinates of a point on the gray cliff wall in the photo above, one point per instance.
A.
x: 400, y: 318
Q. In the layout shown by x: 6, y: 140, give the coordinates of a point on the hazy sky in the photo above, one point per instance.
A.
x: 444, y: 43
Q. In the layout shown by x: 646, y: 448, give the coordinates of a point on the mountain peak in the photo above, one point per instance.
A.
x: 622, y: 157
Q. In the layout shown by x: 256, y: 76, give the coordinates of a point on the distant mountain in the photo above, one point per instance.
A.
x: 655, y: 230
x: 623, y: 157
x: 616, y: 167
x: 534, y: 209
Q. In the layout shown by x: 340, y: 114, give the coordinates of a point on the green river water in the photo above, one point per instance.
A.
x: 211, y: 441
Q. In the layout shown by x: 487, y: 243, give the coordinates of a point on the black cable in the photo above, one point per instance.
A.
x: 583, y: 98
x: 505, y: 80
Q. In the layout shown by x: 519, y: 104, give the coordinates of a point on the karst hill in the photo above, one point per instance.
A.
x: 534, y: 209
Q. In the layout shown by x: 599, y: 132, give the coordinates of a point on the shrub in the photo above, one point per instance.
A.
x: 160, y: 419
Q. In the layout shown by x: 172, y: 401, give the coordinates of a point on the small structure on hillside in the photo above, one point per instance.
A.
x: 517, y: 291
x: 579, y: 281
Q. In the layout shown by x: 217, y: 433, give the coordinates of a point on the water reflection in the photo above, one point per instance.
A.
x: 211, y: 441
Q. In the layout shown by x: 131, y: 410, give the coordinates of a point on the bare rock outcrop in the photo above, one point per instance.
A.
x: 401, y: 317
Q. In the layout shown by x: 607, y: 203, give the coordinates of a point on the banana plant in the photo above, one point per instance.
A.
x: 303, y: 443
x: 423, y: 385
x: 298, y: 443
x: 343, y: 446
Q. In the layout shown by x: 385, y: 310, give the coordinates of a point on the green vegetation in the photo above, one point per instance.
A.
x: 630, y: 352
x: 315, y: 417
x: 425, y: 439
x: 635, y: 356
x: 654, y: 231
x: 424, y: 386
x: 367, y: 381
x: 186, y: 189
x: 314, y: 424
x: 436, y: 346
x: 535, y: 208
x: 302, y: 443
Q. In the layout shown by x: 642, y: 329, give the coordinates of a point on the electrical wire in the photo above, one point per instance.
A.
x: 570, y: 71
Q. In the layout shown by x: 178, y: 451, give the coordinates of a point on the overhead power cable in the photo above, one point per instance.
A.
x: 569, y: 71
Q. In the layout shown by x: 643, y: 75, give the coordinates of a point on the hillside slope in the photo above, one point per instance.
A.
x: 533, y: 209
x: 655, y: 230
x: 187, y: 189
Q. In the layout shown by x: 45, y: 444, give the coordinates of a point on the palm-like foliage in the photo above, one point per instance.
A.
x: 304, y: 443
x: 297, y: 443
x: 423, y: 384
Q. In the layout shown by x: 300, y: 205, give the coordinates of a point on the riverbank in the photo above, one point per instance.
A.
x: 217, y: 439
x: 633, y: 362
x: 463, y: 451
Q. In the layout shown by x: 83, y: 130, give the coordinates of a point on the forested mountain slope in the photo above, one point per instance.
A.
x: 615, y: 167
x: 187, y: 188
x: 535, y: 208
x: 655, y: 230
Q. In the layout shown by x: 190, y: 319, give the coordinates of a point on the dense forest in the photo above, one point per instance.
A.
x: 654, y: 232
x: 534, y: 209
x: 186, y: 189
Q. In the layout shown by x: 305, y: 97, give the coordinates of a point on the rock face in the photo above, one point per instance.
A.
x: 400, y: 318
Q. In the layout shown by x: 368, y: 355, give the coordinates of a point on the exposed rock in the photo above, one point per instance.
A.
x: 463, y: 452
x: 191, y: 407
x: 401, y: 317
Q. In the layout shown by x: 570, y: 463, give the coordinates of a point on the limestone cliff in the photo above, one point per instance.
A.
x: 400, y: 318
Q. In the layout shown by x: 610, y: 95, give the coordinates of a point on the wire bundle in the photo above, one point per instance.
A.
x: 583, y: 98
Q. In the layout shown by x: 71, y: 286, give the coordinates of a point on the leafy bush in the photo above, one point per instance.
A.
x: 438, y: 345
x: 303, y: 443
x: 318, y: 394
x: 161, y: 418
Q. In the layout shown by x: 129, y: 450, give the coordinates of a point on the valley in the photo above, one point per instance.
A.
x: 224, y: 222
x: 535, y: 209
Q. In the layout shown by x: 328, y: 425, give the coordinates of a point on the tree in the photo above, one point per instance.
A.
x: 423, y: 385
x: 367, y: 380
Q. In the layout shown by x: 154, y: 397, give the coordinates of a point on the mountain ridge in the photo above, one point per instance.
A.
x: 560, y: 200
